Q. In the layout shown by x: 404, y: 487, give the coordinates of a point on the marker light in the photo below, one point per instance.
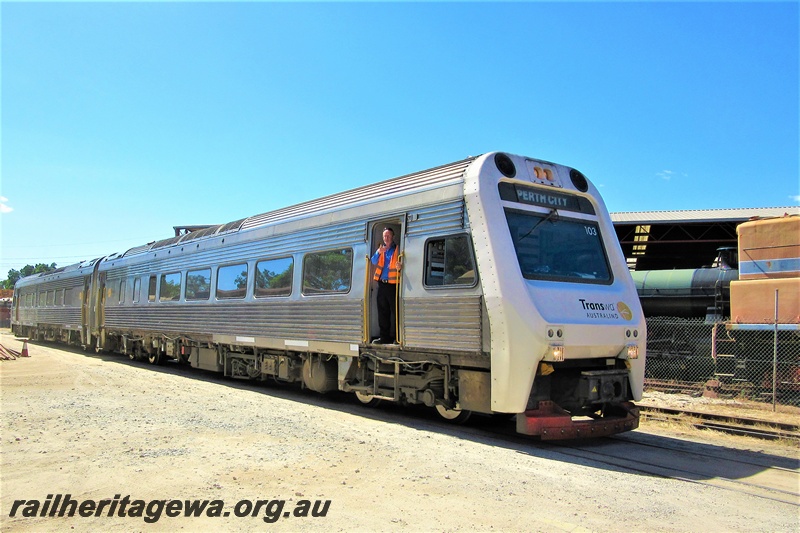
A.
x: 579, y: 180
x: 505, y: 165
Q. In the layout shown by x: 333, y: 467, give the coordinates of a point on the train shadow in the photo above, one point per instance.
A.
x: 636, y: 452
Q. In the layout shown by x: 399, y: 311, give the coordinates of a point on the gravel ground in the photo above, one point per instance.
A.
x: 100, y: 427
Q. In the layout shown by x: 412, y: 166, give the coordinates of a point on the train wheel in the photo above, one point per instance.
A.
x: 456, y: 416
x: 367, y: 399
x: 154, y: 358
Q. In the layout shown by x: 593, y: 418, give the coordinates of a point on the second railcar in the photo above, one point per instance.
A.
x: 513, y: 297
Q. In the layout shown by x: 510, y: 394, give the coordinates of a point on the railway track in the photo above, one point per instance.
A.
x: 758, y: 474
x: 674, y: 387
x: 733, y: 425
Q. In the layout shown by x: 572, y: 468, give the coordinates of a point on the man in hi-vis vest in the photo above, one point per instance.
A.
x: 387, y: 273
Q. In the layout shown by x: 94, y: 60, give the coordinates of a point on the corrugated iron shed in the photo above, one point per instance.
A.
x: 659, y: 240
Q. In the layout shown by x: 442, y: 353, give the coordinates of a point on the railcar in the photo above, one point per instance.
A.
x: 761, y: 344
x: 513, y: 297
x: 689, y: 293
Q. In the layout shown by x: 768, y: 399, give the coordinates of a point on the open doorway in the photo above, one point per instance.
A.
x: 391, y: 332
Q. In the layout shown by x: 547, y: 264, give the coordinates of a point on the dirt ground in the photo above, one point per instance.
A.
x: 99, y: 427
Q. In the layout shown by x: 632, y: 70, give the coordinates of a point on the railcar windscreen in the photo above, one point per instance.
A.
x: 550, y: 247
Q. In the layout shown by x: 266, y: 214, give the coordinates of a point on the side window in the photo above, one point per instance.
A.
x: 170, y: 290
x: 122, y: 292
x: 51, y: 298
x: 137, y: 287
x: 151, y: 290
x: 232, y: 281
x: 60, y: 296
x: 42, y: 299
x: 274, y: 277
x: 327, y: 272
x: 198, y: 284
x: 448, y: 262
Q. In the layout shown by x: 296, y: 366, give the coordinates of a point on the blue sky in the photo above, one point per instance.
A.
x: 122, y: 120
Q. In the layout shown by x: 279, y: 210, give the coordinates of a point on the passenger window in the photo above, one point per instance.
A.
x: 60, y: 296
x: 198, y: 284
x: 137, y: 287
x: 327, y: 272
x: 274, y: 277
x: 51, y: 298
x: 448, y: 262
x: 151, y: 291
x: 170, y: 290
x: 232, y: 281
x: 122, y: 292
x: 42, y: 298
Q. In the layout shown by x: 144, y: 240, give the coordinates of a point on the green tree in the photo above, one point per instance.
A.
x: 27, y: 270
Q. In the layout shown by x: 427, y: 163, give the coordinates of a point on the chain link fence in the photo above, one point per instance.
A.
x: 695, y: 357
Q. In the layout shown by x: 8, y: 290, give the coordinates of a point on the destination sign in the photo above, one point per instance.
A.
x: 544, y: 198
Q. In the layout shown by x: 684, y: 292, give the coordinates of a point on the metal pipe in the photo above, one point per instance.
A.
x: 775, y: 358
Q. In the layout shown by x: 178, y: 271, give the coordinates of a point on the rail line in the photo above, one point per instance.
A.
x: 673, y: 387
x: 734, y: 425
x: 763, y: 476
x: 758, y: 474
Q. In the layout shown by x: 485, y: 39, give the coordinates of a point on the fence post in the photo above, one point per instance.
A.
x: 775, y: 358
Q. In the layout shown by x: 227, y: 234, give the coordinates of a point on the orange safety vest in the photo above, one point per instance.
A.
x: 392, y: 274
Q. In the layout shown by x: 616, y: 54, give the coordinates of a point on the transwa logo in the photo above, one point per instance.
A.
x: 606, y: 310
x: 624, y: 311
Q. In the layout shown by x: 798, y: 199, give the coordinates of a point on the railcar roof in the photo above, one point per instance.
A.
x: 399, y: 186
x: 60, y: 270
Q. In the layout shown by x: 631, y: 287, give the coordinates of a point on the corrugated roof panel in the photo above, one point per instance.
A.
x: 701, y: 215
x: 385, y: 189
x: 434, y: 177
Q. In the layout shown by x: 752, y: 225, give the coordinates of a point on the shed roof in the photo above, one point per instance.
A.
x: 701, y: 215
x: 656, y: 240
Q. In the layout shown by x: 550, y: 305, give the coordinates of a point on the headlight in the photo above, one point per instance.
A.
x: 557, y: 352
x: 633, y: 351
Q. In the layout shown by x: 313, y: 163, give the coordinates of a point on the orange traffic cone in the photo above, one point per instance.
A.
x: 25, y: 349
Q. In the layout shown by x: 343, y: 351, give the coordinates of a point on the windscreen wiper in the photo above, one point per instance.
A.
x: 552, y: 216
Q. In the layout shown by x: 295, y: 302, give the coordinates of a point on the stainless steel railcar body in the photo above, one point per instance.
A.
x: 56, y: 305
x: 490, y: 317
